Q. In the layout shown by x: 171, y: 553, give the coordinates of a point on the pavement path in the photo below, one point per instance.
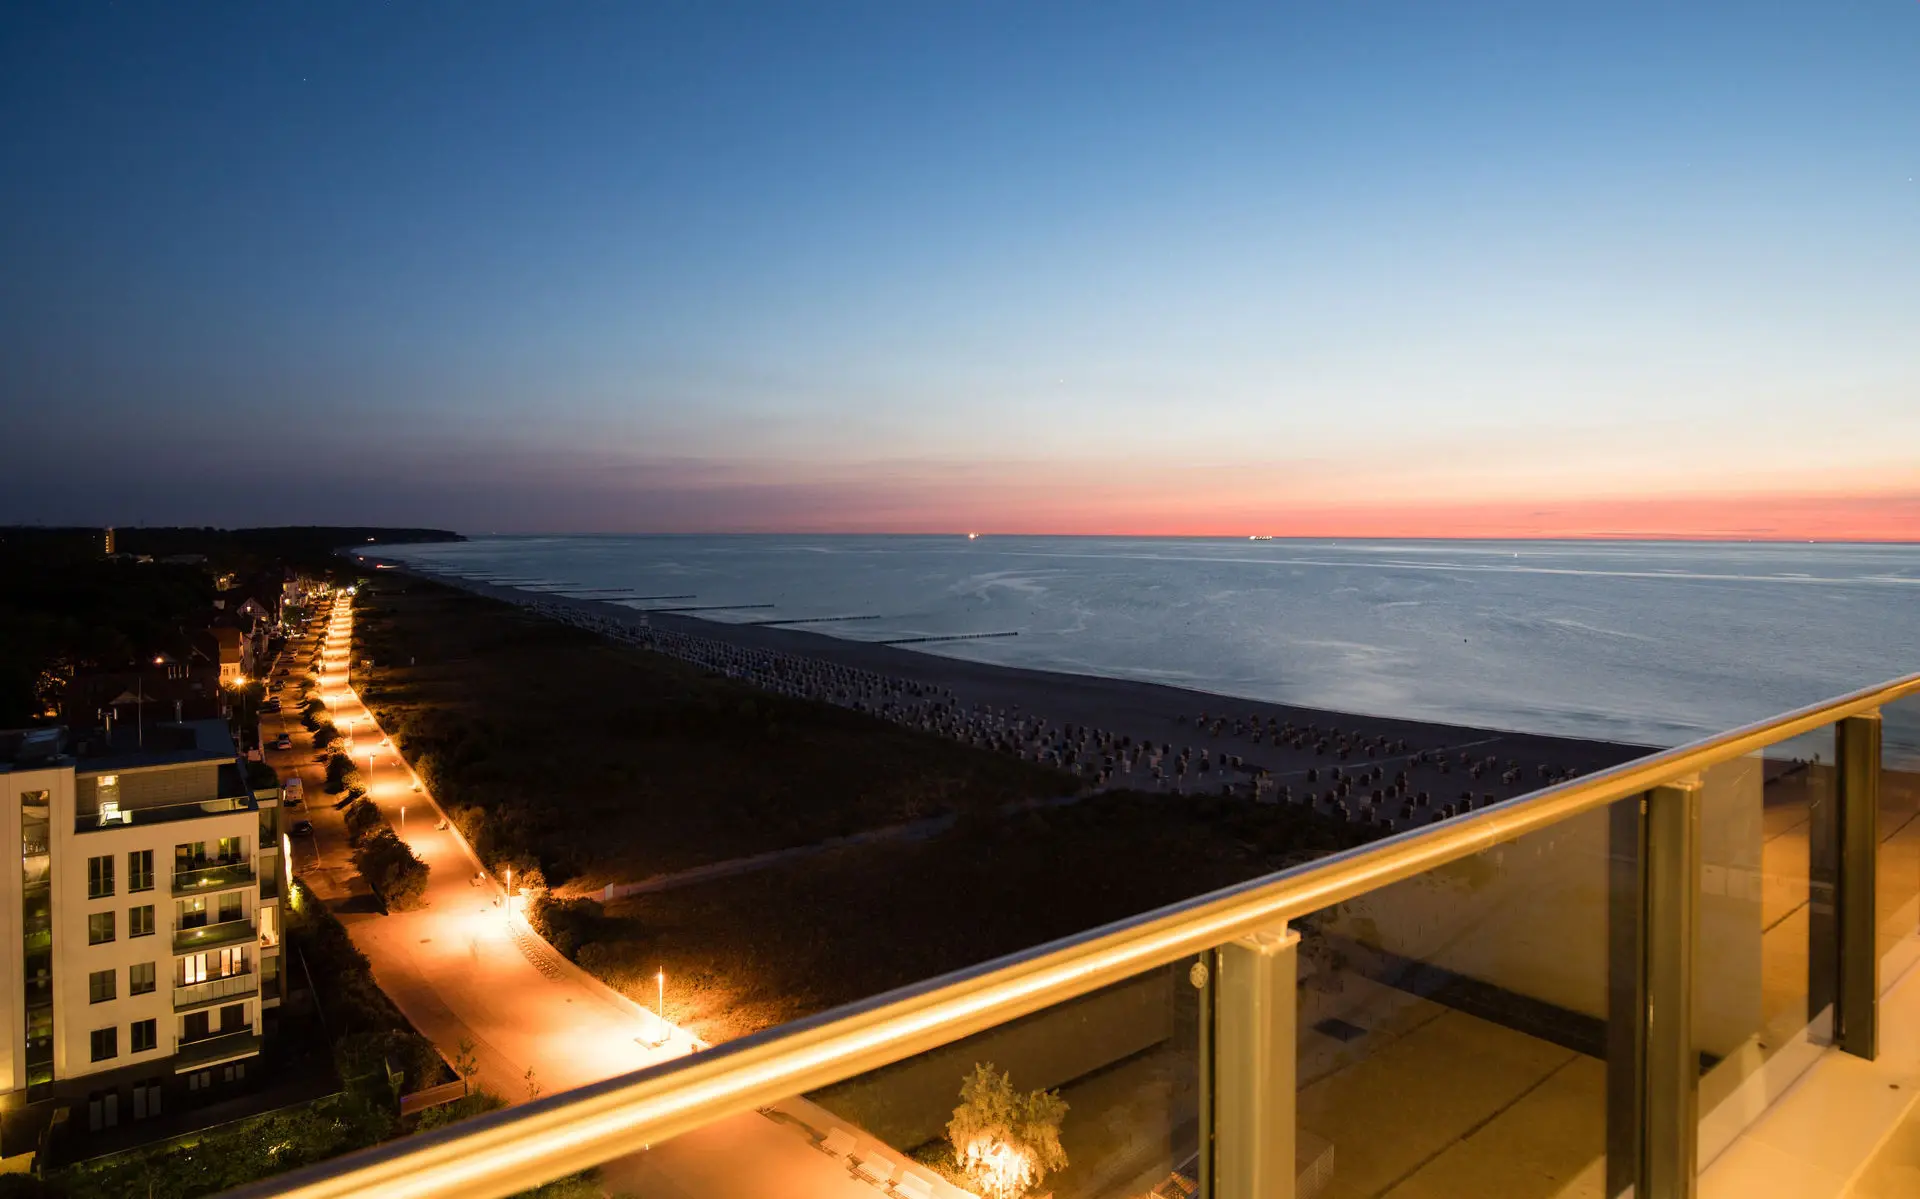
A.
x: 464, y: 968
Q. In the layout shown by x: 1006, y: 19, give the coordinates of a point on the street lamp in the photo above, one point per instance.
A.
x: 660, y: 979
x: 509, y: 895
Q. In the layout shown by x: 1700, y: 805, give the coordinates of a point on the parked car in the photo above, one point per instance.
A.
x: 283, y: 742
x: 303, y: 828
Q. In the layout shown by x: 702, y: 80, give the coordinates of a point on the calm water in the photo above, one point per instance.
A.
x: 1655, y: 643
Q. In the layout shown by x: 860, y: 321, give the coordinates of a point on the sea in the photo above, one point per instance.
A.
x: 1653, y: 643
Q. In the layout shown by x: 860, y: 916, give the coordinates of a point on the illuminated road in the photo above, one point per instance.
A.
x: 457, y: 969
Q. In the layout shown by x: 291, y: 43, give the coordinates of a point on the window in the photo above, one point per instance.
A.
x: 106, y: 1044
x: 233, y: 1017
x: 189, y: 855
x: 103, y: 1110
x: 231, y: 849
x: 146, y: 1035
x: 140, y: 978
x: 140, y: 921
x: 100, y: 877
x: 196, y: 1027
x: 140, y: 870
x: 146, y: 1099
x: 193, y: 969
x: 230, y: 907
x: 100, y: 986
x: 190, y: 913
x: 269, y: 927
x: 99, y: 928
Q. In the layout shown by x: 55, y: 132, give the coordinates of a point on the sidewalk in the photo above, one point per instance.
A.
x: 456, y: 966
x: 459, y: 968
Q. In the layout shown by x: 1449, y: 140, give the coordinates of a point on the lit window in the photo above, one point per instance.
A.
x: 107, y: 793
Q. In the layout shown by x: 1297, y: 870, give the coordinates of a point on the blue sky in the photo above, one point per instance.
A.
x: 628, y: 267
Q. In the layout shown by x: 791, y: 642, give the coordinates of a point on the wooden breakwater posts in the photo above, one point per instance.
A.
x: 947, y: 637
x: 706, y: 608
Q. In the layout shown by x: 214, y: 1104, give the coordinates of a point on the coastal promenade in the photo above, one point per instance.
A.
x: 465, y: 969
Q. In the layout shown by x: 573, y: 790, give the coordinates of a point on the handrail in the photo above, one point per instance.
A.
x: 522, y: 1147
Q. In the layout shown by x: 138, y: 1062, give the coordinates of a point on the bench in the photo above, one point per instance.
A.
x: 912, y: 1186
x: 876, y: 1168
x: 838, y: 1142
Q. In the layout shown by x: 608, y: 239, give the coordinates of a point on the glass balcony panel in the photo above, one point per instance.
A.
x: 1124, y: 1061
x: 1763, y: 958
x: 1898, y: 874
x: 1453, y: 1028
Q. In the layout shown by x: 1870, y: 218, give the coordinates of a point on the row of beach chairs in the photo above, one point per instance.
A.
x: 875, y: 1166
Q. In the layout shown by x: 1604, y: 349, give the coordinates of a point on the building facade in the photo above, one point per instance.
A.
x: 140, y: 922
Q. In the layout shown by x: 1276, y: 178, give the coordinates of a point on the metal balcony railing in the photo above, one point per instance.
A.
x: 218, y: 876
x: 1486, y: 1003
x: 213, y: 936
x: 188, y: 995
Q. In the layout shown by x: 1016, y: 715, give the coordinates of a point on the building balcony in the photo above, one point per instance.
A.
x: 1479, y: 1005
x: 212, y: 936
x: 187, y: 996
x: 221, y: 876
x: 216, y: 1050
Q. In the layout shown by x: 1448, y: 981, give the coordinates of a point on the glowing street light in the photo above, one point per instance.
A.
x: 660, y: 979
x: 509, y: 895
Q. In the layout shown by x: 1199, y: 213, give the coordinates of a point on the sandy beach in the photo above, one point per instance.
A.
x: 1371, y: 767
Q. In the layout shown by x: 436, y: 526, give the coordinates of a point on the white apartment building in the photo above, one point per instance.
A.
x: 139, y: 921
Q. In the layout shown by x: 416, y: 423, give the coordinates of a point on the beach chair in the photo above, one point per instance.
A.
x: 876, y: 1168
x: 912, y: 1186
x: 837, y: 1143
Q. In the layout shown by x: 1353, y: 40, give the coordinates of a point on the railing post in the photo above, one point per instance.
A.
x: 1857, y: 766
x: 1626, y: 996
x: 1253, y: 1067
x: 1669, y: 1135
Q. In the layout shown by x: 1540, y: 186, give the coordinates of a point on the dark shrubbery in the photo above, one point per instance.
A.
x: 257, y: 1149
x: 341, y: 774
x: 474, y: 1103
x: 389, y: 864
x: 363, y: 1058
x: 343, y: 979
x: 324, y: 734
x: 261, y: 776
x: 567, y: 924
x: 362, y: 818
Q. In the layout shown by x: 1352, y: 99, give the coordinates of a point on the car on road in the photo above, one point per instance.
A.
x: 303, y: 828
x: 283, y: 742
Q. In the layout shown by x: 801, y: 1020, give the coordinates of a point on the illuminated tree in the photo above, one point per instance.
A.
x: 1005, y: 1142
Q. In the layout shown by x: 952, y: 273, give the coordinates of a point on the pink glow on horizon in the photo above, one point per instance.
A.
x: 1737, y: 517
